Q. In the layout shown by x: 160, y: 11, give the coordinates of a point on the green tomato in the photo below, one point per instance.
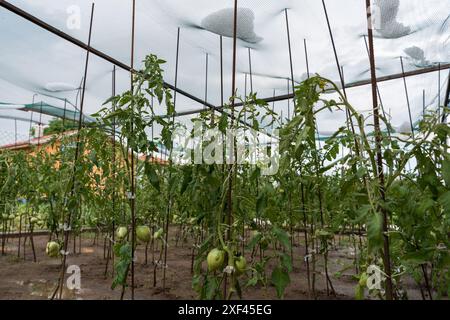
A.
x: 143, y: 234
x: 215, y: 259
x: 363, y: 279
x: 264, y: 243
x: 121, y: 233
x: 52, y: 249
x: 324, y: 234
x: 255, y: 233
x: 240, y: 264
x: 158, y: 234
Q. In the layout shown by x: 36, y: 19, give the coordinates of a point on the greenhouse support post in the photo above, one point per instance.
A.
x: 290, y: 58
x: 447, y: 100
x: 206, y: 77
x: 221, y: 73
x: 170, y: 196
x: 311, y: 289
x: 250, y: 69
x: 378, y: 141
x: 133, y: 180
x: 423, y: 103
x: 176, y: 68
x: 113, y: 164
x: 77, y: 153
x: 231, y: 166
x: 378, y: 91
x: 439, y: 89
x: 407, y: 97
x: 31, y: 120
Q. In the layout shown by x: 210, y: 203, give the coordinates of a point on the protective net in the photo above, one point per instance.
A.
x: 35, y: 61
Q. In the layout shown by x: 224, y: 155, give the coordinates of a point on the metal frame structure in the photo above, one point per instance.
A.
x: 347, y: 86
x: 447, y: 99
x: 33, y: 19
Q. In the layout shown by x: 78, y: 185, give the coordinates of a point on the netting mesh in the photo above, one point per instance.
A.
x: 36, y: 61
x: 8, y: 138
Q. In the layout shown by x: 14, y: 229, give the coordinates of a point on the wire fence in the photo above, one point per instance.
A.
x: 10, y: 137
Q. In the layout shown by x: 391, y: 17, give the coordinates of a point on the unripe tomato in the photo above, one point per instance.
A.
x: 121, y: 233
x: 240, y: 264
x: 264, y: 243
x: 158, y: 234
x: 52, y: 249
x: 215, y: 259
x: 143, y: 234
x: 363, y: 279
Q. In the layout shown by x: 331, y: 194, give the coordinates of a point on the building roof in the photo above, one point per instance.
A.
x: 33, y: 141
x: 23, y: 145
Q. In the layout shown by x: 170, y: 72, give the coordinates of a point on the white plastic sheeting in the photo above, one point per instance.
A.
x: 33, y: 60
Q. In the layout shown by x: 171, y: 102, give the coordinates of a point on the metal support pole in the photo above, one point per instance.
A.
x: 64, y: 114
x: 206, y: 78
x: 439, y: 89
x: 447, y: 100
x: 338, y: 65
x: 250, y: 69
x: 221, y: 72
x: 176, y: 67
x: 15, y: 134
x: 291, y: 65
x: 306, y: 58
x: 77, y: 153
x: 378, y: 92
x: 407, y: 98
x: 231, y: 156
x: 378, y: 142
x: 133, y: 180
x: 423, y: 103
x: 113, y: 162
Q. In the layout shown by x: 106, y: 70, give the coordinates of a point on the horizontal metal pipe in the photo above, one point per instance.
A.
x: 349, y: 85
x: 447, y: 99
x: 19, y: 119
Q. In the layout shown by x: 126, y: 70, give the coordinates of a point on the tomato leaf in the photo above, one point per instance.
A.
x: 123, y: 264
x: 152, y: 176
x: 359, y: 292
x: 280, y: 280
x: 282, y: 237
x: 374, y: 231
x: 254, y: 241
x: 286, y: 261
x: 418, y: 257
x: 444, y: 199
x: 261, y: 204
x: 446, y: 171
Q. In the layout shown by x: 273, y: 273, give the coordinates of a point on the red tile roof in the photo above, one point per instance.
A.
x: 47, y: 138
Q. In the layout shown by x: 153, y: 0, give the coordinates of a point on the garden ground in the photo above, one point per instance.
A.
x: 25, y: 280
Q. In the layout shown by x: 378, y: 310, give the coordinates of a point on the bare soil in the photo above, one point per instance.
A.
x: 24, y: 279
